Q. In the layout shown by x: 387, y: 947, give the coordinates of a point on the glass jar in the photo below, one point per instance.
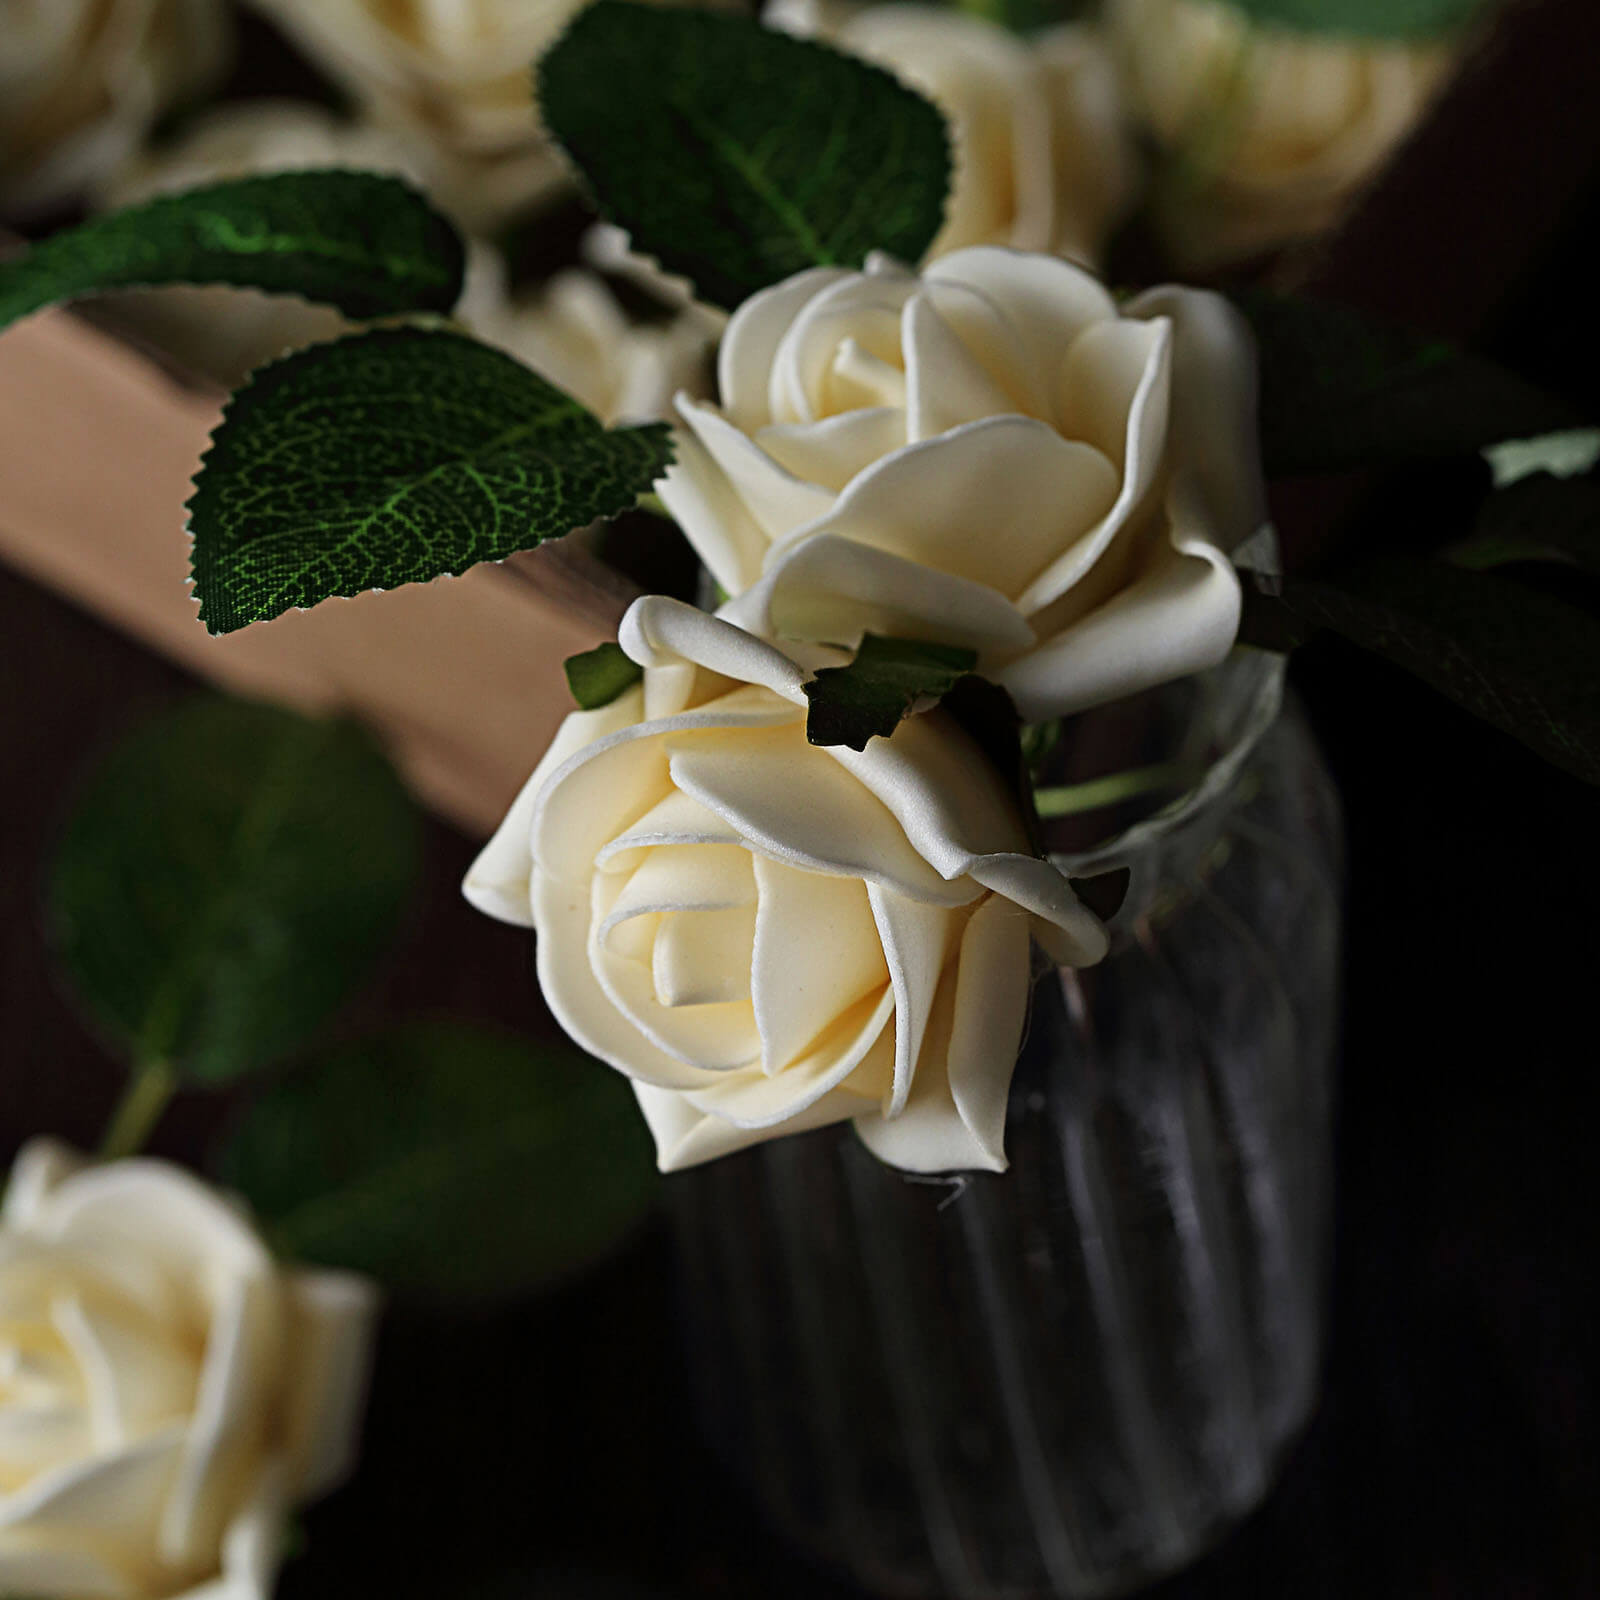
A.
x: 1072, y: 1377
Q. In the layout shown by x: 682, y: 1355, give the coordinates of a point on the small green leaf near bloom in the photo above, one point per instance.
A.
x: 396, y: 456
x: 1339, y: 391
x: 868, y: 697
x: 1365, y: 19
x: 449, y: 1162
x: 596, y: 677
x: 229, y: 874
x: 367, y: 243
x: 737, y: 155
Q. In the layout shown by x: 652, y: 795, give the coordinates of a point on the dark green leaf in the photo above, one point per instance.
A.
x: 1518, y: 658
x: 370, y: 245
x: 1542, y: 519
x: 391, y: 457
x: 231, y: 872
x: 598, y: 676
x: 1338, y: 391
x: 851, y: 704
x: 1027, y: 16
x: 1365, y: 19
x: 736, y: 155
x: 446, y: 1161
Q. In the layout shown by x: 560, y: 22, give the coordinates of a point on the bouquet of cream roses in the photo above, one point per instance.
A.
x: 784, y: 862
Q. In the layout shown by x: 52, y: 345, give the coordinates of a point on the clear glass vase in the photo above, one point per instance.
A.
x: 1070, y: 1378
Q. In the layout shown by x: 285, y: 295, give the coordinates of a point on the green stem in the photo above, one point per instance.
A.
x: 1069, y: 799
x: 145, y: 1098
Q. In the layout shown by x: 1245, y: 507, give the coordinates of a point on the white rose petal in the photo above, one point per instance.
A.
x: 992, y: 455
x: 166, y: 1390
x: 767, y: 935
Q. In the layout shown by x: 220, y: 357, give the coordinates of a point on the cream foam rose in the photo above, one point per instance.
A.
x: 768, y: 935
x: 993, y: 454
x: 167, y: 1391
x: 1273, y: 129
x: 83, y: 81
x: 1042, y: 158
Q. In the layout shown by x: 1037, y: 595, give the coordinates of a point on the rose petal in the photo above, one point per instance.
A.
x: 41, y: 1167
x: 703, y: 957
x: 864, y: 307
x: 1047, y: 301
x: 991, y: 502
x: 916, y: 940
x: 705, y: 505
x: 991, y: 1006
x: 779, y: 501
x: 687, y: 1136
x: 817, y: 953
x: 712, y: 1038
x: 500, y: 881
x: 333, y: 1320
x: 656, y: 631
x: 859, y: 1047
x: 750, y: 345
x: 573, y: 992
x: 834, y: 589
x: 793, y: 804
x: 1181, y: 616
x: 678, y: 819
x: 946, y: 384
x: 831, y: 452
x: 136, y: 1375
x: 1116, y: 388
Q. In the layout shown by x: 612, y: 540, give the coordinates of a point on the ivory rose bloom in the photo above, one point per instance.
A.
x: 1271, y: 130
x: 993, y: 454
x: 166, y: 1390
x: 82, y: 82
x: 1042, y: 159
x: 768, y: 935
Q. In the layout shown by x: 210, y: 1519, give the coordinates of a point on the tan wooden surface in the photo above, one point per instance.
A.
x: 461, y: 677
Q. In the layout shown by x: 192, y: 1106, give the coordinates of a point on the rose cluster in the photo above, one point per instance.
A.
x: 769, y: 935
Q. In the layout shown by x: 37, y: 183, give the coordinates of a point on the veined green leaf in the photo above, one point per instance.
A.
x: 369, y: 244
x: 736, y: 155
x: 228, y: 876
x: 391, y: 457
x: 446, y: 1161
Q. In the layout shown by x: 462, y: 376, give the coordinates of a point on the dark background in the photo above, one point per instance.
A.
x: 1455, y: 1452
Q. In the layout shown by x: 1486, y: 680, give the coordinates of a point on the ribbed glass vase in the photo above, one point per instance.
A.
x: 1072, y: 1377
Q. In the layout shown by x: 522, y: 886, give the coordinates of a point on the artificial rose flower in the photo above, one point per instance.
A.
x: 1269, y: 131
x: 167, y: 1391
x: 82, y: 81
x: 576, y: 335
x: 768, y: 935
x: 456, y: 78
x: 1042, y: 160
x: 994, y: 455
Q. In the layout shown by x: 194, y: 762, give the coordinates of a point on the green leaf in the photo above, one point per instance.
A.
x: 1365, y: 19
x: 447, y: 1161
x: 1026, y: 16
x: 368, y: 244
x: 391, y: 457
x: 229, y: 875
x: 851, y: 704
x: 1338, y: 392
x: 1518, y: 658
x: 1543, y: 519
x: 736, y: 155
x: 596, y: 677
